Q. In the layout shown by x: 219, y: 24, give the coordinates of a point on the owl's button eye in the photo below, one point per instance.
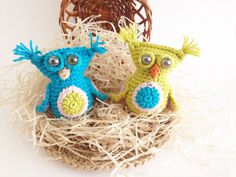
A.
x: 166, y: 62
x: 72, y: 60
x: 54, y: 61
x: 146, y: 59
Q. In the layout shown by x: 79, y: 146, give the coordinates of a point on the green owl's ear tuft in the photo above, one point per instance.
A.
x: 190, y: 47
x: 129, y: 34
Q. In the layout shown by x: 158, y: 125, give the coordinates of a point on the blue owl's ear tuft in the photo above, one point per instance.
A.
x: 26, y: 53
x: 95, y: 46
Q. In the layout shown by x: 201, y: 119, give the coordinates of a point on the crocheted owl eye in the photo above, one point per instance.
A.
x: 53, y: 61
x: 72, y: 60
x: 148, y: 90
x: 146, y: 59
x: 69, y: 94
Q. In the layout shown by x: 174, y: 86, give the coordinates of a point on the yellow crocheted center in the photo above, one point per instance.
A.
x: 73, y: 103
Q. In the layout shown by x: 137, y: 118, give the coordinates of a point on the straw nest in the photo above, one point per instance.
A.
x: 109, y: 136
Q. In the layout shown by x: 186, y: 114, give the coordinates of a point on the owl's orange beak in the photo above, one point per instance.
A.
x: 154, y: 71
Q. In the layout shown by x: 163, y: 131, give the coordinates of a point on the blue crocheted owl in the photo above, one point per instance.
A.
x: 69, y: 94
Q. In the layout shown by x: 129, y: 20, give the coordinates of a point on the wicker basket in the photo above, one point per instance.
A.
x: 110, y: 10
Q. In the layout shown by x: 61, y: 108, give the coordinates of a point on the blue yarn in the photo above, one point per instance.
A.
x: 147, y: 97
x: 95, y: 46
x: 25, y: 53
x: 76, y: 78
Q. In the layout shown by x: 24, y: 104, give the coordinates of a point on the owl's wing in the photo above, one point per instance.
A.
x: 46, y: 102
x: 172, y: 104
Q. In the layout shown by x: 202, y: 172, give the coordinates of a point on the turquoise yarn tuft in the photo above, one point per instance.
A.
x: 69, y: 94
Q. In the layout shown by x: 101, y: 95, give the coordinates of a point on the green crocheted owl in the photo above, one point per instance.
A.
x: 148, y: 90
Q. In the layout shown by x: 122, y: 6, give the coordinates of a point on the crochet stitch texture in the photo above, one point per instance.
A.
x: 148, y: 90
x: 69, y: 94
